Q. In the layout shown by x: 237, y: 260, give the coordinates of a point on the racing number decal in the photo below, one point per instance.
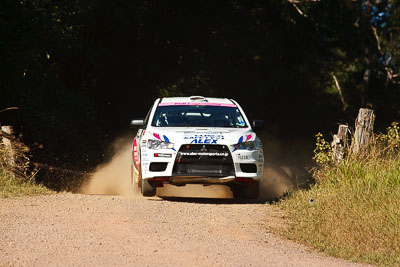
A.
x: 135, y: 153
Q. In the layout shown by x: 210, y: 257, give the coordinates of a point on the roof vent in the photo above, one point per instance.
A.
x: 198, y: 98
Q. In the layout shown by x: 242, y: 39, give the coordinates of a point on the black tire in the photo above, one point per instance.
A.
x: 246, y: 190
x: 136, y: 180
x: 252, y: 190
x: 237, y: 191
x: 148, y: 188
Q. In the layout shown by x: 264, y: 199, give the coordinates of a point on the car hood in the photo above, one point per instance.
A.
x: 199, y: 135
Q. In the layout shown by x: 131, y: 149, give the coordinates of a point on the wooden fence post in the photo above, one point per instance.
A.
x: 339, y: 143
x: 364, y: 127
x: 7, y: 133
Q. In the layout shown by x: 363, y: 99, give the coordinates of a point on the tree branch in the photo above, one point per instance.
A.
x: 293, y: 2
x: 10, y: 108
x: 340, y: 92
x: 378, y: 42
x: 390, y: 75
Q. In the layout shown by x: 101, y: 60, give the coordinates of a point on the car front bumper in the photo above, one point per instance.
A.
x: 181, y: 168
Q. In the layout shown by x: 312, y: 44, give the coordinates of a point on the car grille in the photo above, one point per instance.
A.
x: 203, y: 160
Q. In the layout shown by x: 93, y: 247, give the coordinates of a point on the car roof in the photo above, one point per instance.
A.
x: 196, y: 99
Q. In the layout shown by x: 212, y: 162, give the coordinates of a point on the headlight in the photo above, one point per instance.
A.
x: 250, y: 145
x: 158, y: 144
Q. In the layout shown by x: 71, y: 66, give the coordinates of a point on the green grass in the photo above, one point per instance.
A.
x: 16, y: 187
x: 355, y: 214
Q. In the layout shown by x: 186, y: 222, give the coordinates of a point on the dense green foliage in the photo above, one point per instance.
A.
x: 355, y: 212
x: 80, y: 70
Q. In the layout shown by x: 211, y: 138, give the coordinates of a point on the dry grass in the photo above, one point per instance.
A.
x: 15, y: 187
x: 356, y: 209
x: 18, y: 180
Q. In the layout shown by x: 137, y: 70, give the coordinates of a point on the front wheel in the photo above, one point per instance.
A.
x: 246, y: 190
x: 148, y: 188
x: 252, y: 190
x: 136, y: 179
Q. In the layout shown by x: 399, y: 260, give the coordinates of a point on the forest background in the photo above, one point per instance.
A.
x: 78, y: 71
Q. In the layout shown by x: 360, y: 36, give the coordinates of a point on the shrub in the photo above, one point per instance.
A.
x: 18, y: 179
x: 355, y: 212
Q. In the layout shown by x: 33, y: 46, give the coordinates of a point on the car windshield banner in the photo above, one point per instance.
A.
x: 197, y: 104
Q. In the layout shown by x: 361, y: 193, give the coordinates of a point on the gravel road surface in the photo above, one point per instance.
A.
x: 101, y: 230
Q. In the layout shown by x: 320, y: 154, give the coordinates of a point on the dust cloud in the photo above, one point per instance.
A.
x: 284, y: 166
x: 278, y: 180
x: 283, y: 172
x: 113, y: 177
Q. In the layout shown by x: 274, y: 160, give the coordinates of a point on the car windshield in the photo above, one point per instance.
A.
x: 209, y: 115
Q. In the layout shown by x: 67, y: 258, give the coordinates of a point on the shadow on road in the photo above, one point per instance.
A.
x: 213, y: 201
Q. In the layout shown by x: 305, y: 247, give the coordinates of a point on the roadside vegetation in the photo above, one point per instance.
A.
x: 19, y: 180
x: 14, y: 187
x: 353, y: 210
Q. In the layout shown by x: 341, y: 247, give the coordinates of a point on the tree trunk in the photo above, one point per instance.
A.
x: 364, y: 128
x: 9, y: 151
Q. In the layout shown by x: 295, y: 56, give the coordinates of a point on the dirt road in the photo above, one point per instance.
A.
x: 96, y: 230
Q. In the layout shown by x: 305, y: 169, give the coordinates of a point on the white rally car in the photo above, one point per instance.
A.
x: 197, y: 140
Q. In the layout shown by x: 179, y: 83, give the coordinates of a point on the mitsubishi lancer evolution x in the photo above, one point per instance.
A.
x: 197, y: 140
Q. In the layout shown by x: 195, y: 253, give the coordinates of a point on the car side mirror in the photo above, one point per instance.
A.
x: 136, y: 123
x: 258, y: 125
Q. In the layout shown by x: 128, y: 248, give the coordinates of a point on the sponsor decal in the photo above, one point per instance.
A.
x: 204, y: 141
x: 211, y: 154
x: 162, y: 155
x: 145, y: 166
x: 135, y: 153
x: 204, y: 138
x: 204, y: 132
x: 243, y: 157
